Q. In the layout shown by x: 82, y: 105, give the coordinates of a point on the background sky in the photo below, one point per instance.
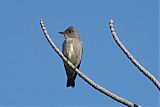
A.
x: 32, y: 74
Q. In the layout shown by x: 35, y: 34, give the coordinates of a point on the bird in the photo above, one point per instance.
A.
x: 72, y: 48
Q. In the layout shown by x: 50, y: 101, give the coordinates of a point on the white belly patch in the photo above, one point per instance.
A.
x: 70, y: 52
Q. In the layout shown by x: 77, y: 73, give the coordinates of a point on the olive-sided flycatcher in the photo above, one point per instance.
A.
x: 72, y: 49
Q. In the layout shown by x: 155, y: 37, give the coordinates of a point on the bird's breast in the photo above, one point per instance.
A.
x: 71, y: 52
x: 72, y: 49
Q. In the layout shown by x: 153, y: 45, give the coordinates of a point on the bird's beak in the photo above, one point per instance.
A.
x: 61, y: 33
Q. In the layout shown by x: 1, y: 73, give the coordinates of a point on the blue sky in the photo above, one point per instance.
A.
x: 32, y: 74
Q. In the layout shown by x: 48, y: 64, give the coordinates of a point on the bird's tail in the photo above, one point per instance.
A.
x: 70, y: 82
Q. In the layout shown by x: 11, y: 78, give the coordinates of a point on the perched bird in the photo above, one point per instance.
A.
x: 72, y: 49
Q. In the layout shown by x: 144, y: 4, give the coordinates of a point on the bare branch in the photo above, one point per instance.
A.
x: 134, y: 61
x: 83, y: 76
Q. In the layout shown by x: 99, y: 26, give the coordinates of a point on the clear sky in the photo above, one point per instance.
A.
x: 32, y: 74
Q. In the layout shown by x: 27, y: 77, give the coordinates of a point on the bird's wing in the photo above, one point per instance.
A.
x: 81, y: 44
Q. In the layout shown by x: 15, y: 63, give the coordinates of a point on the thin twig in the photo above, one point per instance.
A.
x: 134, y: 61
x: 83, y: 76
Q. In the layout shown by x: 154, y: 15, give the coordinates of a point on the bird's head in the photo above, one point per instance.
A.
x: 70, y: 32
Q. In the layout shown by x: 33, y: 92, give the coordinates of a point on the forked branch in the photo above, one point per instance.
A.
x: 83, y: 76
x: 134, y: 61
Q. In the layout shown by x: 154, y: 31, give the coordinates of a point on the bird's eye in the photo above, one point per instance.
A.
x: 70, y: 31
